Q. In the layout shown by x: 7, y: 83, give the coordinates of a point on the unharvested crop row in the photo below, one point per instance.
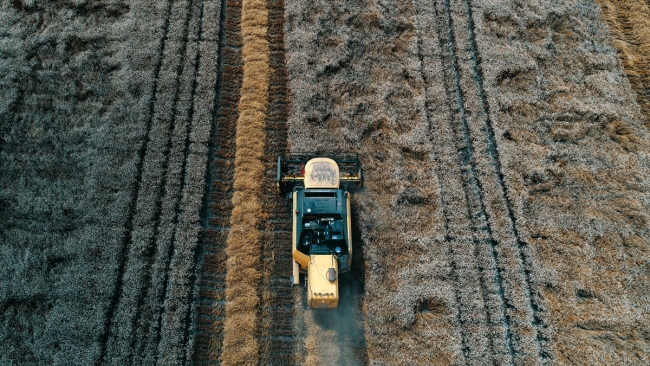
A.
x: 77, y: 97
x: 356, y: 86
x: 244, y: 243
x: 629, y: 25
x: 210, y: 286
x: 147, y: 218
x: 566, y: 131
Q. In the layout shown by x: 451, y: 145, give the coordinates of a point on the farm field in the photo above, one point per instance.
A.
x: 503, y: 219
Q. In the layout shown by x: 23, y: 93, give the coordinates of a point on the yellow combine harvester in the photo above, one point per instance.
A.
x: 321, y: 238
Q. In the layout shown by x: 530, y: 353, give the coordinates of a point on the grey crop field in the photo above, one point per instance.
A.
x: 504, y: 217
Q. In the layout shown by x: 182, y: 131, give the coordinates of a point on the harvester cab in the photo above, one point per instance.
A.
x: 321, y: 240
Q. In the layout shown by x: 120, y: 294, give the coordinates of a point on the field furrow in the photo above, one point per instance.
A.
x: 475, y: 218
x: 276, y: 333
x: 210, y: 285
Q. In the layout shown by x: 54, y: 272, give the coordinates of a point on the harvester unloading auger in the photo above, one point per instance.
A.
x: 321, y: 241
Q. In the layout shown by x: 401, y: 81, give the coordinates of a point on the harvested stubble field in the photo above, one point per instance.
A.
x: 504, y: 217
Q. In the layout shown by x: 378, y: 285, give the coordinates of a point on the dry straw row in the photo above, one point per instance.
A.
x: 629, y: 23
x: 240, y: 344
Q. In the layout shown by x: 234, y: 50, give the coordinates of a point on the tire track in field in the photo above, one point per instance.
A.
x: 143, y: 249
x: 149, y: 326
x: 186, y: 152
x: 210, y: 286
x: 175, y: 341
x: 525, y: 256
x: 146, y: 347
x: 519, y: 309
x: 151, y: 296
x: 128, y: 238
x: 276, y: 333
x: 473, y: 258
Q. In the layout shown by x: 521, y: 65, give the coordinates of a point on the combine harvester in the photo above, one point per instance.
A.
x: 321, y: 240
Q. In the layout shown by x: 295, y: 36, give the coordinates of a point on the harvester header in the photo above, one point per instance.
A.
x: 317, y: 170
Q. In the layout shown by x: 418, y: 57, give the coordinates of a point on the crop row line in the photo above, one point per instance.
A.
x: 511, y: 304
x: 210, y: 285
x: 244, y: 243
x: 276, y: 335
x: 128, y: 238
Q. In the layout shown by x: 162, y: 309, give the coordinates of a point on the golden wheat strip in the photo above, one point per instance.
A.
x: 240, y: 345
x: 629, y: 24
